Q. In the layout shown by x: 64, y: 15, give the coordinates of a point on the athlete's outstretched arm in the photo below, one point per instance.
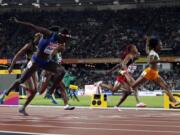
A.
x: 18, y: 54
x: 114, y: 68
x: 125, y: 61
x: 36, y: 28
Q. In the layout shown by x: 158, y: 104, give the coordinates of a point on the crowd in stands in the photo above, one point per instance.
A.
x: 99, y: 33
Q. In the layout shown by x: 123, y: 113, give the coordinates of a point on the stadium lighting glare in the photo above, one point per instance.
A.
x: 4, y: 4
x: 58, y: 5
x: 80, y: 4
x: 77, y: 1
x: 90, y: 3
x: 116, y: 2
x: 36, y: 5
x: 20, y: 4
x: 46, y: 4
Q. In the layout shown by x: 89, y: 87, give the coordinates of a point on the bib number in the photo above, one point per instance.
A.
x: 50, y: 48
x: 132, y: 68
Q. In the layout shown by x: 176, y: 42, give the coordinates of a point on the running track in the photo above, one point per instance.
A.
x: 85, y: 121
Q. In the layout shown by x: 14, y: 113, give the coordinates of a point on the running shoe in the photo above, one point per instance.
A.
x: 22, y: 111
x: 67, y: 107
x: 117, y: 108
x: 141, y: 105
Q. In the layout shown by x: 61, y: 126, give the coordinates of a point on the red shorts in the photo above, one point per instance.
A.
x: 121, y: 79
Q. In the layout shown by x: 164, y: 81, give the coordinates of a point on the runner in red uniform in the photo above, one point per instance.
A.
x: 124, y: 82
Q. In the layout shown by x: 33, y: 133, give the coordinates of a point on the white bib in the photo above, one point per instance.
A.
x: 51, y: 48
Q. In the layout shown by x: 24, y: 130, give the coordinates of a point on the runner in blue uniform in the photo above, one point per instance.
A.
x: 49, y: 45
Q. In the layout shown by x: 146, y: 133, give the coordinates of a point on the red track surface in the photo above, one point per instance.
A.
x: 91, y: 121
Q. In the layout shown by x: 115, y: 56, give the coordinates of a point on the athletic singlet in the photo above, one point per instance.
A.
x: 48, y: 45
x: 131, y: 66
x: 155, y: 55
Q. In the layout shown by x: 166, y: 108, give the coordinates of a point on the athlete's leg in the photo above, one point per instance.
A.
x: 114, y: 88
x: 160, y: 81
x: 126, y: 92
x: 58, y: 71
x: 139, y: 104
x: 63, y: 93
x: 31, y: 88
x: 26, y: 75
x: 124, y: 97
x: 138, y: 82
x: 131, y: 81
x: 35, y: 80
x: 74, y: 94
x: 117, y: 86
x: 46, y: 76
x: 64, y: 96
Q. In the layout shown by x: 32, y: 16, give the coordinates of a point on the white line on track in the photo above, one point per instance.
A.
x: 84, y: 107
x: 103, y: 129
x: 27, y: 133
x: 32, y: 118
x: 18, y: 119
x: 99, y: 123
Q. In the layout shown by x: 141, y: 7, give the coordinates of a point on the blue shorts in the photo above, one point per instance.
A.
x: 41, y: 62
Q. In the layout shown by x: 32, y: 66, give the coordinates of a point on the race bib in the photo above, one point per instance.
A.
x: 51, y: 48
x: 132, y: 68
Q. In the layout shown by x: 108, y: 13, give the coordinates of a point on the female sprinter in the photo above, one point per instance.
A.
x: 153, y: 46
x: 48, y: 77
x: 129, y: 56
x: 31, y: 84
x: 50, y: 43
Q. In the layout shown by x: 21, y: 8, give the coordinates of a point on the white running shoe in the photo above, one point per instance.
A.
x: 140, y: 105
x: 67, y: 107
x: 98, y: 83
x: 117, y: 108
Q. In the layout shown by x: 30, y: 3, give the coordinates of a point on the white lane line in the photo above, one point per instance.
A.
x: 27, y: 133
x: 85, y: 107
x: 137, y: 120
x: 99, y: 123
x: 50, y: 119
x: 103, y: 129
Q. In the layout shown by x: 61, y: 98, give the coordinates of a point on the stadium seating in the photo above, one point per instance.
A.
x: 99, y: 33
